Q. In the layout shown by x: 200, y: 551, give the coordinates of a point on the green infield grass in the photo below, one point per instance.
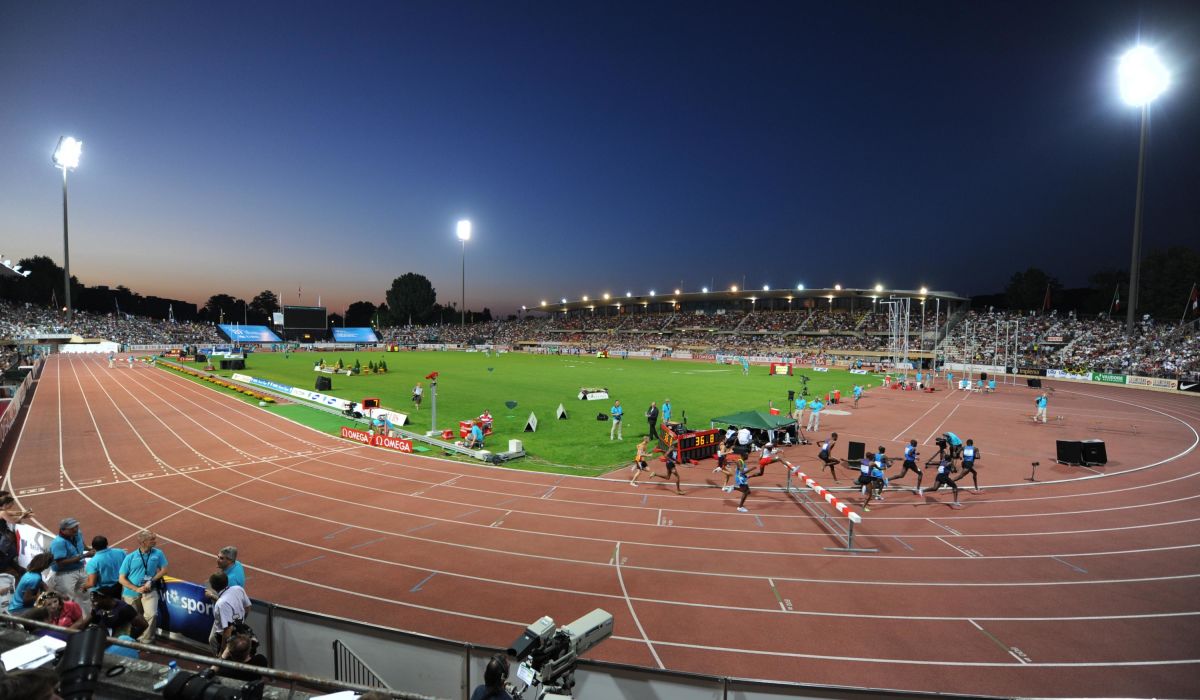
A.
x: 469, y: 383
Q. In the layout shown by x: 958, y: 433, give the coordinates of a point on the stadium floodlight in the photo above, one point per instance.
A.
x: 585, y: 297
x: 564, y: 300
x: 837, y: 287
x: 704, y: 290
x: 66, y: 157
x: 1141, y: 77
x: 799, y: 288
x: 651, y: 292
x: 628, y: 295
x: 924, y: 290
x: 543, y: 302
x: 733, y: 289
x: 766, y: 287
x: 879, y: 288
x: 677, y: 292
x: 463, y: 231
x: 606, y: 296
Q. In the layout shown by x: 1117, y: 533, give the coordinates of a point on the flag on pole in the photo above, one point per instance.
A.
x: 1116, y: 302
x: 1046, y: 301
x: 1193, y: 304
x: 171, y: 313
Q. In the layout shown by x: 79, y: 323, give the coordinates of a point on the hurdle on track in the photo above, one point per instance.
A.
x: 841, y: 523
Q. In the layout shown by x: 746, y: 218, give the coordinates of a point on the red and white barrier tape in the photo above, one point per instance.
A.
x: 829, y: 497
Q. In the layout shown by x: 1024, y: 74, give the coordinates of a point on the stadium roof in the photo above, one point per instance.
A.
x: 739, y: 296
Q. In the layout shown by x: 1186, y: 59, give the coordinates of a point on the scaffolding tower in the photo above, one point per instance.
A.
x: 898, y: 312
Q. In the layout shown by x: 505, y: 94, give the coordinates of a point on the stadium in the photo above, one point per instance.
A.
x: 468, y: 351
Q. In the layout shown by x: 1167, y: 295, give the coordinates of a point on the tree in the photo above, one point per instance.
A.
x: 219, y: 303
x: 264, y: 304
x: 1027, y: 290
x: 1107, y: 286
x: 411, y: 296
x: 45, y: 281
x: 360, y: 313
x: 1166, y: 282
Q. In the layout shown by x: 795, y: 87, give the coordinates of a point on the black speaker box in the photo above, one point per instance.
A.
x: 1094, y: 453
x: 324, y: 384
x: 201, y: 358
x: 1034, y: 383
x: 791, y: 395
x: 856, y: 451
x: 1070, y: 452
x: 233, y: 364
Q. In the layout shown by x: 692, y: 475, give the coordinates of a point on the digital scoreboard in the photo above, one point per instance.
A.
x: 694, y: 445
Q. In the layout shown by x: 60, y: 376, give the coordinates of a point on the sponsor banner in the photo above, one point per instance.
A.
x: 703, y: 356
x: 366, y: 438
x: 31, y: 542
x: 1156, y: 382
x: 160, y: 346
x: 392, y: 443
x: 1053, y: 339
x: 333, y: 401
x: 248, y: 334
x: 355, y: 335
x: 1063, y: 374
x: 357, y: 435
x: 183, y: 610
x: 820, y: 369
x: 1106, y: 378
x: 682, y: 354
x: 392, y: 417
x: 858, y: 371
x: 1029, y: 371
x: 1193, y: 386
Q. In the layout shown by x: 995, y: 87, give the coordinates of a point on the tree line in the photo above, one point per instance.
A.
x: 1167, y: 277
x: 411, y: 298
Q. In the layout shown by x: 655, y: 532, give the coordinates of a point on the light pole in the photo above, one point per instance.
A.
x: 1141, y: 77
x: 66, y: 157
x: 464, y: 235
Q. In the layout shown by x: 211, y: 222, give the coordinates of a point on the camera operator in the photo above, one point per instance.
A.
x: 494, y: 677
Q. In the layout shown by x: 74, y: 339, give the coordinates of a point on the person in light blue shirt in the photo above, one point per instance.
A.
x: 617, y: 414
x: 814, y: 416
x: 104, y: 568
x: 1040, y: 402
x: 30, y: 585
x: 227, y: 561
x: 69, y: 552
x: 141, y: 570
x: 666, y: 411
x: 858, y: 392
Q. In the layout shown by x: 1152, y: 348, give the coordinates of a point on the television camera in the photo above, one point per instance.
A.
x: 547, y: 656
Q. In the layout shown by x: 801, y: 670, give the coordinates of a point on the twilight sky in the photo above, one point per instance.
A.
x: 597, y: 146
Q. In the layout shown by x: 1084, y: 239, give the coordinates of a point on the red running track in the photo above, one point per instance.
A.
x: 1082, y: 584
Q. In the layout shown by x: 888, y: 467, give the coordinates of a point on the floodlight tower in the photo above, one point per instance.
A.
x: 1142, y: 77
x: 464, y: 235
x: 66, y: 157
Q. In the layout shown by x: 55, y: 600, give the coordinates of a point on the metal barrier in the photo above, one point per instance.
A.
x: 347, y: 666
x: 842, y: 529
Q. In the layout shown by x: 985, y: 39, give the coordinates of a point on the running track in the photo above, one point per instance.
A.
x: 1083, y: 584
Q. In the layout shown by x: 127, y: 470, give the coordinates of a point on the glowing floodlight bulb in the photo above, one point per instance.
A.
x: 704, y: 289
x: 1141, y: 76
x: 67, y: 154
x: 879, y: 288
x: 677, y: 291
x: 464, y: 230
x: 837, y: 287
x: 733, y: 288
x: 799, y: 288
x: 924, y: 290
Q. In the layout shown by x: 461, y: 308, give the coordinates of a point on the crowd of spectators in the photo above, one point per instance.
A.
x: 1070, y: 342
x: 979, y: 336
x: 26, y: 321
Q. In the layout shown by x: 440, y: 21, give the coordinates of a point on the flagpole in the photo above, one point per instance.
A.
x: 1115, y: 300
x: 1190, y: 300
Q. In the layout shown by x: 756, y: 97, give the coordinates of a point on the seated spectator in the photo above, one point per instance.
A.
x: 30, y: 585
x: 60, y: 611
x: 114, y: 614
x: 241, y: 648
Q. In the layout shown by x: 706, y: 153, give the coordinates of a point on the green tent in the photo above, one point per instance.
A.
x: 755, y: 420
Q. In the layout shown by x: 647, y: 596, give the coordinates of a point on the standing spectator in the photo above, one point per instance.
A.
x: 652, y: 420
x: 227, y: 563
x: 418, y: 392
x: 798, y: 414
x: 69, y: 552
x: 814, y: 417
x: 858, y: 391
x: 666, y: 411
x: 140, y: 573
x: 233, y: 605
x: 104, y: 568
x: 617, y: 413
x: 30, y: 585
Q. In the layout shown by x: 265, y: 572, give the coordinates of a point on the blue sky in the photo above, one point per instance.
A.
x: 236, y: 147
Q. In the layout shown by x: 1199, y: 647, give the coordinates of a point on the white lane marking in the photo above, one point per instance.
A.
x: 632, y: 612
x: 939, y: 425
x: 918, y: 420
x: 1019, y: 657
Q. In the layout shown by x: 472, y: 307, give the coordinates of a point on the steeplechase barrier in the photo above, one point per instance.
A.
x: 841, y: 523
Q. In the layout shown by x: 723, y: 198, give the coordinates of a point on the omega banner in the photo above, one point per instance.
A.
x: 389, y: 443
